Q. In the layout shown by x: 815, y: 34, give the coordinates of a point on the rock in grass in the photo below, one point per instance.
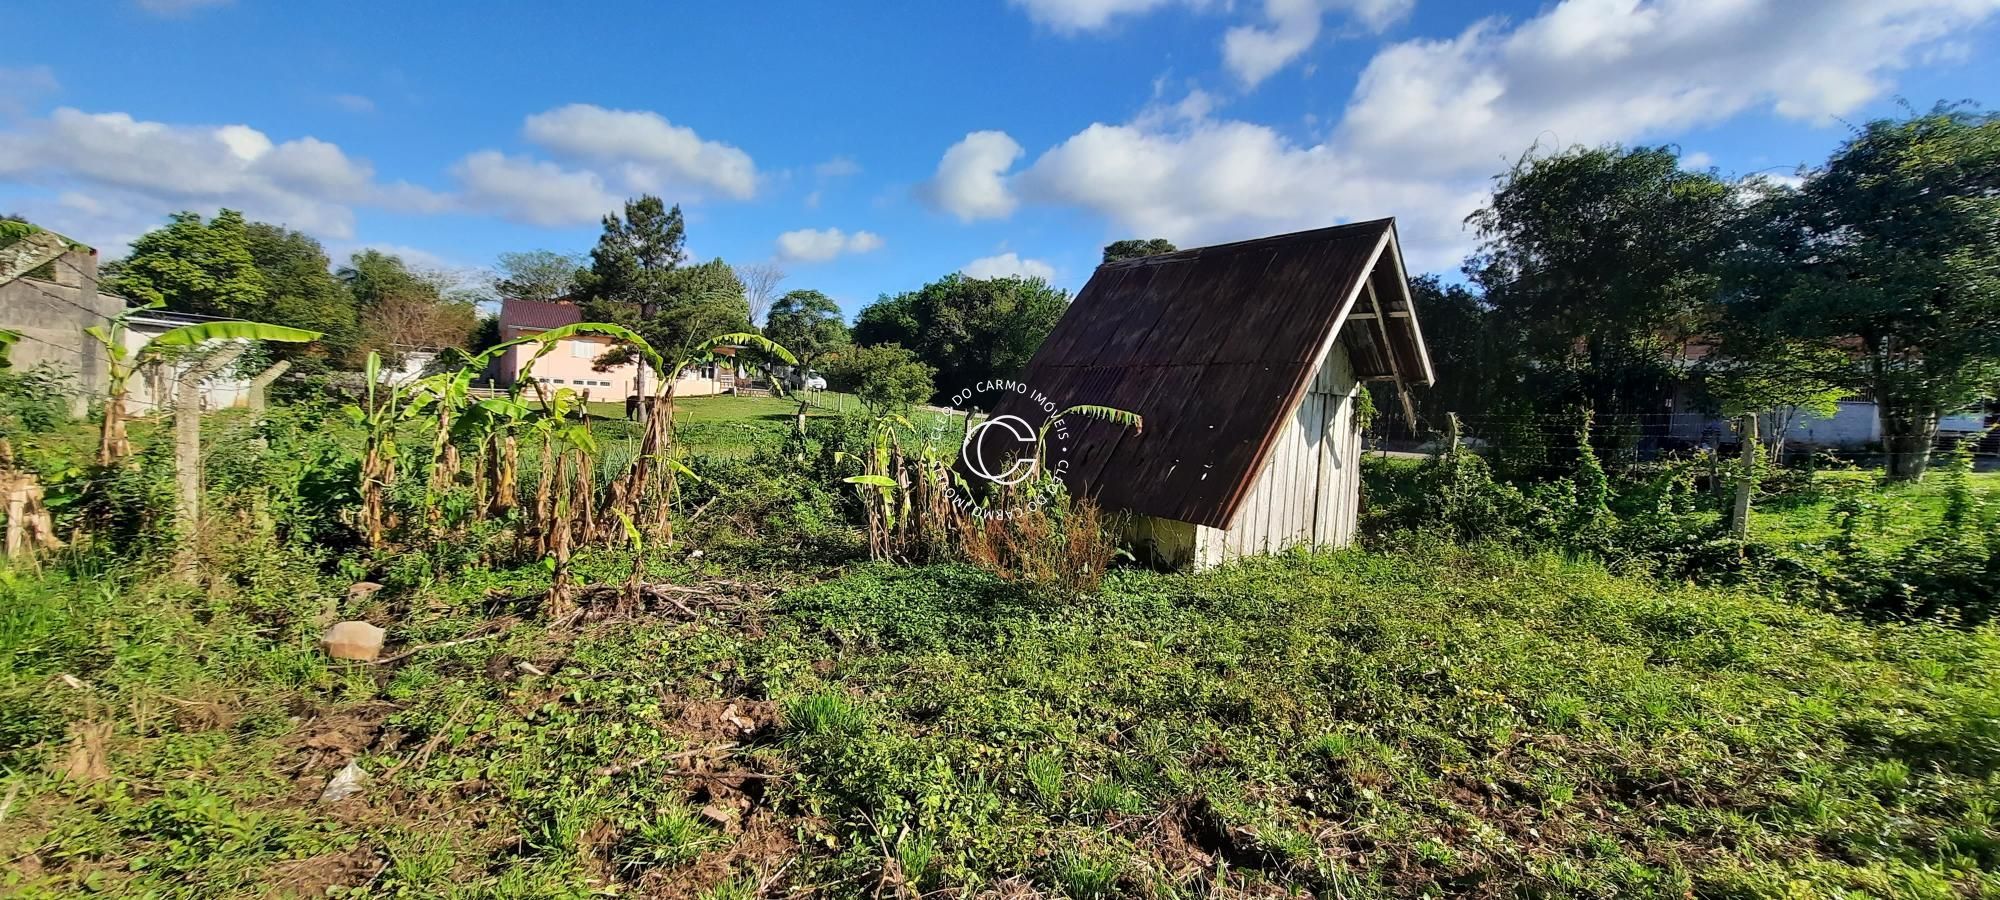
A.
x: 354, y: 640
x: 361, y: 590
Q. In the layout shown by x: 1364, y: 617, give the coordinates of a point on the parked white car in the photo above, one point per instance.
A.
x: 812, y: 381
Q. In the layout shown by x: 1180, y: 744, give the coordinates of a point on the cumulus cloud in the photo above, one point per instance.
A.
x: 1283, y: 30
x: 1431, y: 120
x: 820, y: 245
x: 1290, y: 28
x: 647, y: 152
x: 1589, y: 71
x: 1007, y: 264
x: 305, y: 182
x: 969, y: 182
x: 537, y: 192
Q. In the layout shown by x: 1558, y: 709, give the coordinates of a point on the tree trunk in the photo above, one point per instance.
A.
x: 1906, y: 442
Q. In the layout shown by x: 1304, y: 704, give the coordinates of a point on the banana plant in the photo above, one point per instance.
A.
x: 7, y: 340
x: 378, y: 455
x: 112, y: 443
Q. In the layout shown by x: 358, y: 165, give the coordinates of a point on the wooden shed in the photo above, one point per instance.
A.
x: 1246, y: 360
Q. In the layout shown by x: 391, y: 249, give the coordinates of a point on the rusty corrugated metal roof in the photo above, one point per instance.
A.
x: 541, y: 314
x: 1214, y: 346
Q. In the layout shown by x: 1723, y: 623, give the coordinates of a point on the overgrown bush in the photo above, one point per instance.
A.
x: 34, y: 401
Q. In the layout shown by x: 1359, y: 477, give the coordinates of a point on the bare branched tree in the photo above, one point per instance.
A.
x: 760, y: 287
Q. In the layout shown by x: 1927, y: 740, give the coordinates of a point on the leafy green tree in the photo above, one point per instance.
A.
x: 300, y: 290
x: 807, y: 322
x: 401, y: 309
x: 1133, y: 248
x: 536, y: 275
x: 1474, y: 371
x: 967, y: 329
x: 193, y: 266
x: 1776, y: 379
x: 1892, y: 252
x: 1600, y: 264
x: 885, y: 377
x: 373, y: 276
x: 636, y: 278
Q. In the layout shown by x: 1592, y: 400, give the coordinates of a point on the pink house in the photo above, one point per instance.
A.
x: 572, y: 364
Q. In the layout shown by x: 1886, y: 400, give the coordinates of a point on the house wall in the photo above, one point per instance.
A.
x: 1308, y: 493
x: 1855, y: 424
x: 571, y: 365
x: 51, y: 316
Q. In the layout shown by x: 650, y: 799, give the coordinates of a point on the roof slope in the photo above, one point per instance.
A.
x: 538, y: 314
x: 1215, y: 346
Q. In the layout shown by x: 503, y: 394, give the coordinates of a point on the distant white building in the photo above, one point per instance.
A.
x: 151, y: 389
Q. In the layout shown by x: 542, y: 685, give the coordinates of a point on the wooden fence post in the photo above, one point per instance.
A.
x: 1746, y: 480
x: 262, y: 383
x: 187, y: 446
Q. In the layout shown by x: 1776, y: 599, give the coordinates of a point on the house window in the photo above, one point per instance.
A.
x: 708, y: 371
x: 580, y: 349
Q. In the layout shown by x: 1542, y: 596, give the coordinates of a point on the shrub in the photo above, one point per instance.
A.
x: 884, y: 376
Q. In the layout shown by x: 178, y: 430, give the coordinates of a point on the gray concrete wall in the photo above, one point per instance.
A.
x: 51, y: 316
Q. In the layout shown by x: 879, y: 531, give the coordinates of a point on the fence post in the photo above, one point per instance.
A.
x: 187, y: 446
x: 1746, y: 479
x: 262, y: 383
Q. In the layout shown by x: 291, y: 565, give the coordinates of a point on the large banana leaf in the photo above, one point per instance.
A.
x: 750, y: 339
x: 195, y: 335
x: 607, y: 329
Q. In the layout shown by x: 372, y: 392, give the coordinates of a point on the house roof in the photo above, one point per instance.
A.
x: 1215, y: 347
x: 539, y: 314
x: 164, y: 319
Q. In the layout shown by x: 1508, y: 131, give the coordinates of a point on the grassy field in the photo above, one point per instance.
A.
x: 1432, y: 720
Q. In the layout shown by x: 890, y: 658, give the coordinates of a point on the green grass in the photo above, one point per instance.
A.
x: 1351, y: 723
x: 1897, y: 515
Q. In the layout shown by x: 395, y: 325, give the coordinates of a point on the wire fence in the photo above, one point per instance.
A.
x: 1545, y: 443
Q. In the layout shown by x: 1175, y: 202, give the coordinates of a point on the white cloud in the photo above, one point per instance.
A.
x: 1589, y: 71
x: 820, y: 245
x: 177, y: 7
x: 536, y: 192
x: 838, y: 167
x: 644, y: 150
x: 1697, y: 161
x: 354, y: 103
x: 1285, y: 29
x: 1256, y: 52
x: 1071, y: 16
x: 306, y: 183
x: 1431, y: 120
x: 1007, y: 264
x: 20, y: 86
x: 969, y: 182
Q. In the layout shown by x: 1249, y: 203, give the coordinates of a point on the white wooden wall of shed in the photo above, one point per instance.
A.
x: 1309, y: 490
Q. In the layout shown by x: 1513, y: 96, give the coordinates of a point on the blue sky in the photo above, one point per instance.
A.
x: 872, y: 147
